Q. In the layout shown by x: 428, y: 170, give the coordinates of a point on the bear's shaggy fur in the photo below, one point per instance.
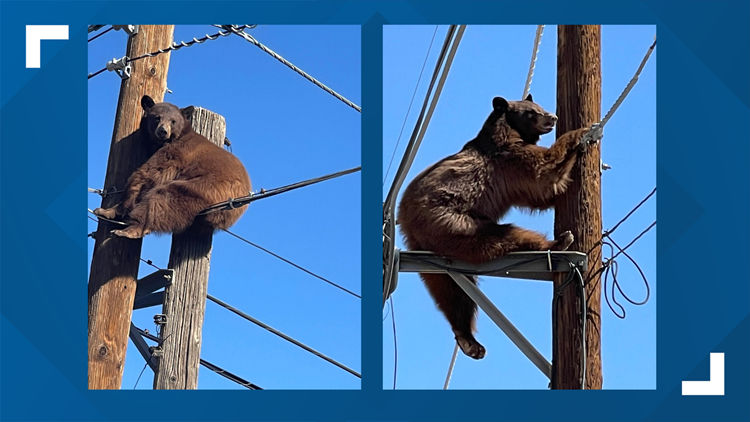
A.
x: 185, y: 175
x: 452, y: 207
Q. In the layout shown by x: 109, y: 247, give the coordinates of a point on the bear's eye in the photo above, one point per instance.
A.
x: 173, y: 122
x: 157, y: 118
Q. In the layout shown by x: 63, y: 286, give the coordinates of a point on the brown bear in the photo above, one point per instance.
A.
x: 185, y: 175
x: 452, y: 207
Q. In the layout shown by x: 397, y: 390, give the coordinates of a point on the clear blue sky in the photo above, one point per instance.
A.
x: 285, y: 130
x: 493, y: 61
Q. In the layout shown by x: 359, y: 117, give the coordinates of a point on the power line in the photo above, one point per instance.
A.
x: 210, y: 366
x: 444, y: 61
x: 622, y: 250
x: 262, y: 325
x: 597, y: 128
x: 240, y: 32
x: 612, y: 230
x: 148, y: 262
x: 408, y: 110
x: 450, y: 367
x: 126, y: 60
x: 534, y: 52
x: 643, y: 201
x: 236, y: 203
x: 612, y: 267
x: 100, y: 34
x: 294, y: 265
x: 282, y: 335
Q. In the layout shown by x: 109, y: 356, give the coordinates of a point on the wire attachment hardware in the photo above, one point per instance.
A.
x: 120, y: 66
x: 129, y: 29
x: 593, y: 135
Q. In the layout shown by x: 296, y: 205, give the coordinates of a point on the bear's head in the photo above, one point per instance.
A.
x: 164, y: 122
x: 526, y: 117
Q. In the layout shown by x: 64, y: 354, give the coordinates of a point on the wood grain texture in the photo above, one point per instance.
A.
x: 579, y: 209
x: 114, y: 265
x: 185, y: 298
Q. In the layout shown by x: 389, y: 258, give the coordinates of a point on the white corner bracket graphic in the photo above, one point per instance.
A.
x: 34, y: 36
x: 714, y: 386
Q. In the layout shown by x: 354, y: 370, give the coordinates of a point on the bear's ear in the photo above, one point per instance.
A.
x: 147, y: 102
x: 500, y: 104
x: 187, y: 113
x: 528, y: 98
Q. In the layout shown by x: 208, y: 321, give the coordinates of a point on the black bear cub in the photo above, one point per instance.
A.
x: 452, y: 207
x: 185, y: 175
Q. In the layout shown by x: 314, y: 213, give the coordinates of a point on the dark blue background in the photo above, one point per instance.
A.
x: 703, y: 213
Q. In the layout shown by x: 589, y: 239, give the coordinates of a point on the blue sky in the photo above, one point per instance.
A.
x: 493, y: 61
x: 285, y: 130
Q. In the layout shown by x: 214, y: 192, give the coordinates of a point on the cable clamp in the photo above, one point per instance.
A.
x: 129, y: 29
x: 120, y: 66
x: 594, y: 134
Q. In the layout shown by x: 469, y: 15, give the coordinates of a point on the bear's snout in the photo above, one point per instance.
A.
x: 547, y: 122
x: 162, y: 133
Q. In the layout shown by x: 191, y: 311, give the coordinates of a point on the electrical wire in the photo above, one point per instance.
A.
x: 295, y: 265
x: 210, y: 366
x: 444, y: 61
x: 239, y: 31
x: 597, y: 128
x: 532, y: 66
x: 236, y: 203
x: 100, y: 34
x: 172, y: 47
x: 408, y: 110
x: 450, y: 367
x: 282, y: 335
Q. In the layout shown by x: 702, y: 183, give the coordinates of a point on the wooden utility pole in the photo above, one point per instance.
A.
x: 185, y: 299
x: 579, y: 209
x: 114, y: 265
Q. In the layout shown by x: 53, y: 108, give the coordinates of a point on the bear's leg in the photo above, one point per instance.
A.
x: 169, y: 208
x: 458, y: 308
x: 493, y: 241
x: 106, y: 212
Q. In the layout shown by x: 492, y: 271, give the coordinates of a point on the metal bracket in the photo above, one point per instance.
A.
x: 142, y: 346
x: 153, y: 282
x: 129, y: 29
x: 120, y: 66
x: 503, y: 323
x: 145, y: 288
x: 149, y: 300
x: 526, y: 265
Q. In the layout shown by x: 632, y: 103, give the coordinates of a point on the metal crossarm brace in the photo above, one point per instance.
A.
x: 527, y: 265
x: 142, y: 346
x: 145, y: 288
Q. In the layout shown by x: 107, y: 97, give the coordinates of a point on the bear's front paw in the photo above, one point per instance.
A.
x: 132, y: 232
x: 592, y: 135
x: 106, y: 213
